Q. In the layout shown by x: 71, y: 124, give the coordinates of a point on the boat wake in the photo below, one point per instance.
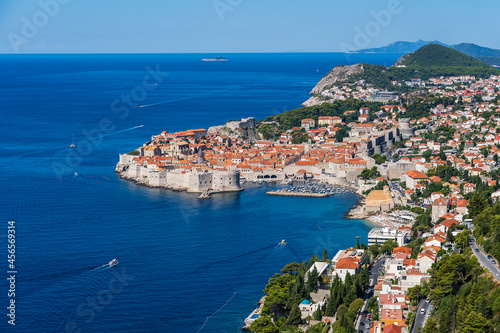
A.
x: 73, y: 288
x: 179, y: 99
x: 124, y: 130
x: 69, y: 273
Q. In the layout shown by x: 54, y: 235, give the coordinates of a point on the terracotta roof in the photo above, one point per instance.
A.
x: 392, y: 328
x: 347, y: 263
x: 402, y: 249
x: 417, y: 174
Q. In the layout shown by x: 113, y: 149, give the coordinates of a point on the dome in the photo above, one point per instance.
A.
x: 306, y: 302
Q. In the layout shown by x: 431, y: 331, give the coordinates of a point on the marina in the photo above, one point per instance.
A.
x: 299, y: 194
x: 309, y: 189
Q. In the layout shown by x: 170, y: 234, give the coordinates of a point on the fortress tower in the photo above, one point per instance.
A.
x: 406, y: 130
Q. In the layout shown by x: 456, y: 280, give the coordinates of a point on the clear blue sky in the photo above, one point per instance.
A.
x: 223, y: 26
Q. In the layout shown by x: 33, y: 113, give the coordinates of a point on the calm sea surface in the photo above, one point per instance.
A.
x: 181, y: 259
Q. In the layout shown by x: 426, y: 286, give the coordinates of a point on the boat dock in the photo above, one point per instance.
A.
x: 205, y: 194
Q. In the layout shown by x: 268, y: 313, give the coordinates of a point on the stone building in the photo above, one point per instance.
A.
x: 439, y: 209
x: 406, y: 130
x: 379, y: 201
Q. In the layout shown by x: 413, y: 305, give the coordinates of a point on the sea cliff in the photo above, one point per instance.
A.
x: 336, y: 75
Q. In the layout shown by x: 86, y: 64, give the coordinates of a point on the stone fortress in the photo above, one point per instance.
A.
x: 378, y: 142
x: 199, y: 180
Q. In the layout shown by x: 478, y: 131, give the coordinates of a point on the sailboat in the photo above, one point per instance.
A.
x: 73, y: 144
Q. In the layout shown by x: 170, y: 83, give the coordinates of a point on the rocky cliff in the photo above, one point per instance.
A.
x: 401, y: 60
x: 233, y: 129
x: 314, y: 100
x: 338, y: 74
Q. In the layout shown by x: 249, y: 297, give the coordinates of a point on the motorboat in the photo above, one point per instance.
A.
x: 283, y: 241
x: 113, y: 262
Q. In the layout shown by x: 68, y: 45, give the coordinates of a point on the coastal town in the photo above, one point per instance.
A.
x: 231, y: 166
x: 423, y: 167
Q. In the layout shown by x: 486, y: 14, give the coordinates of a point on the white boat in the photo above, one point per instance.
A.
x: 283, y: 241
x: 113, y: 262
x: 73, y: 144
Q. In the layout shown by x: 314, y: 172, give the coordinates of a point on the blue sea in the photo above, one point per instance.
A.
x: 186, y: 265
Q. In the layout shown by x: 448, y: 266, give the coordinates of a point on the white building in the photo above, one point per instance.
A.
x: 380, y: 235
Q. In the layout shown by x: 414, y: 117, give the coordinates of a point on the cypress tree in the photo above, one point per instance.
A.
x: 325, y: 255
x: 317, y: 314
x: 294, y: 317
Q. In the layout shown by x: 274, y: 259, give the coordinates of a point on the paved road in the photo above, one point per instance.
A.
x: 395, y: 187
x: 361, y: 323
x: 420, y: 318
x: 483, y: 258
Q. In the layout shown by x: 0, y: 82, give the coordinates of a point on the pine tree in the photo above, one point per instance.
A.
x: 430, y: 326
x: 447, y: 317
x: 482, y: 306
x: 476, y: 323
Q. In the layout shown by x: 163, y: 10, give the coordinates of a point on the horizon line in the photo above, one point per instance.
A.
x: 201, y: 53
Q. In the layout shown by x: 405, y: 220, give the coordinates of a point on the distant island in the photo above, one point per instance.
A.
x: 218, y: 58
x: 485, y: 54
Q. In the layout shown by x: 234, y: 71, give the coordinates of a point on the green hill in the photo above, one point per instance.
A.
x: 431, y: 60
x: 435, y: 55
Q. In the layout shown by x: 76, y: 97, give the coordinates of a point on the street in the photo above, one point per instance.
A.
x: 361, y: 323
x: 419, y: 317
x: 484, y: 260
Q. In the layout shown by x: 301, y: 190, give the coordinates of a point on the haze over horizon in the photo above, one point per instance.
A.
x: 234, y: 26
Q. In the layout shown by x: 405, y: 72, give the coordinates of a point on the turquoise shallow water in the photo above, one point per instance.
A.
x: 181, y: 258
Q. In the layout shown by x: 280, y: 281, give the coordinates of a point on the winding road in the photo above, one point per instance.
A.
x: 484, y: 260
